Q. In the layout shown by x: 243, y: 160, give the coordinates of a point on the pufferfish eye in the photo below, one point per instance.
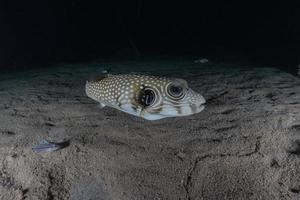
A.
x: 147, y: 97
x: 175, y: 91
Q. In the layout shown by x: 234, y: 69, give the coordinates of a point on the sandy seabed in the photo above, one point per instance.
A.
x: 244, y: 145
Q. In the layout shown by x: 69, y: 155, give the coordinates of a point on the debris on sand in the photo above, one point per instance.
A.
x: 201, y: 60
x: 46, y: 146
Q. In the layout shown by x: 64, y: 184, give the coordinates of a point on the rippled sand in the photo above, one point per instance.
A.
x: 244, y: 145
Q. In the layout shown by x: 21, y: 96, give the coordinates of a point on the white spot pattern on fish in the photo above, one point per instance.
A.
x: 149, y: 97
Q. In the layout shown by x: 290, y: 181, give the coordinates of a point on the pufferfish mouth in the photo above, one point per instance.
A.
x: 201, y: 107
x: 203, y: 104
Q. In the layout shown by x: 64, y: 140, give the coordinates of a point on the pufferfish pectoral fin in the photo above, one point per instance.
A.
x: 101, y: 105
x: 130, y: 109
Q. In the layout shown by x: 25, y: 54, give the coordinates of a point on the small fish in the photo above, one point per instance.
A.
x: 46, y: 146
x: 149, y: 97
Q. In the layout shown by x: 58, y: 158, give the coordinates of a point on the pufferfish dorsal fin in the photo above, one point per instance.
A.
x: 104, y: 74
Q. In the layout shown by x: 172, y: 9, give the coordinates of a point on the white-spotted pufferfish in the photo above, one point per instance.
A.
x: 149, y: 97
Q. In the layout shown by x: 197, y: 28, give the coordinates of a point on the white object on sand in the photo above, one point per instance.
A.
x: 201, y: 60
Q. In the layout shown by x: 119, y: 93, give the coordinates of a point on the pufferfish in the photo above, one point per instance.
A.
x: 149, y: 97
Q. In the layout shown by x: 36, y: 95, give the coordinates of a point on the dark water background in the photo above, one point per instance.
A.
x: 40, y: 34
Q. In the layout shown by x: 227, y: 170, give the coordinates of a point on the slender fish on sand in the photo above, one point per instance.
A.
x: 46, y: 146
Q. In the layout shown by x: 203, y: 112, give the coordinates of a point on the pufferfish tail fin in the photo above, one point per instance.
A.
x: 106, y: 71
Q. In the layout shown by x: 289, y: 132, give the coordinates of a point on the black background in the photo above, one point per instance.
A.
x: 41, y: 33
